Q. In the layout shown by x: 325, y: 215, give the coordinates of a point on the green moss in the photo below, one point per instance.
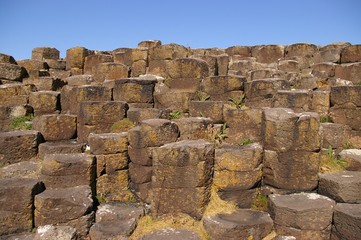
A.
x: 260, y: 202
x: 22, y: 123
x: 123, y: 125
x: 245, y: 141
x: 326, y: 119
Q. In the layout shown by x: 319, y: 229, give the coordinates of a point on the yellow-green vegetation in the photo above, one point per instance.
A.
x: 22, y: 122
x: 148, y: 224
x: 123, y: 125
x: 329, y: 162
x: 202, y: 96
x: 245, y: 141
x: 174, y: 115
x: 237, y: 102
x: 260, y: 202
x: 326, y: 119
x: 216, y: 205
x: 101, y: 198
x: 221, y: 134
x: 348, y: 145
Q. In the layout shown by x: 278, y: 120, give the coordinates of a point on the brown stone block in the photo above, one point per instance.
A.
x: 75, y: 57
x: 305, y: 51
x: 137, y: 115
x: 17, y: 146
x: 140, y: 174
x: 158, y: 67
x: 347, y: 220
x: 346, y: 96
x: 67, y: 146
x: 110, y: 163
x: 184, y: 84
x: 11, y: 72
x: 141, y: 156
x: 349, y: 71
x: 153, y: 133
x: 109, y: 71
x: 149, y: 43
x: 244, y: 65
x: 58, y: 64
x: 351, y: 53
x: 45, y: 83
x: 264, y: 73
x: 62, y: 205
x: 123, y: 56
x: 187, y: 68
x: 243, y: 123
x: 289, y: 66
x: 268, y: 53
x: 291, y: 170
x: 108, y: 143
x: 218, y: 85
x: 56, y: 126
x: 227, y: 180
x: 168, y: 52
x: 12, y: 95
x: 68, y: 170
x: 4, y: 58
x: 138, y: 68
x: 45, y: 102
x: 34, y: 68
x: 194, y: 128
x: 243, y: 198
x: 93, y: 60
x: 207, y: 109
x: 42, y: 53
x: 17, y: 196
x: 297, y: 100
x: 320, y: 102
x: 331, y: 52
x: 79, y: 80
x: 242, y: 51
x: 114, y: 186
x: 166, y: 201
x: 324, y: 70
x: 348, y: 116
x: 222, y: 65
x: 210, y: 60
x: 334, y: 135
x: 134, y: 90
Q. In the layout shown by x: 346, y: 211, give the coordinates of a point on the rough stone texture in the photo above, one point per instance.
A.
x: 42, y: 53
x: 137, y: 115
x: 187, y: 68
x: 351, y: 53
x: 168, y: 52
x: 140, y: 174
x: 17, y: 203
x: 141, y: 156
x: 12, y: 95
x: 56, y: 126
x: 342, y: 186
x: 109, y: 71
x: 110, y: 163
x: 45, y: 102
x: 293, y: 170
x: 4, y: 58
x: 305, y: 211
x: 242, y: 224
x: 98, y: 117
x: 289, y: 66
x: 193, y: 128
x: 324, y: 70
x: 172, y: 164
x: 17, y: 146
x: 320, y: 102
x: 243, y: 123
x: 108, y: 143
x: 283, y: 130
x: 149, y: 43
x: 349, y: 71
x: 68, y: 170
x: 27, y: 169
x: 334, y: 135
x: 61, y: 205
x: 268, y: 53
x: 207, y: 109
x: 353, y: 159
x: 114, y: 186
x: 134, y: 90
x: 50, y: 232
x: 34, y: 68
x: 347, y: 221
x: 153, y: 133
x: 298, y: 101
x: 306, y: 52
x: 173, y: 100
x: 237, y: 168
x: 93, y: 60
x: 75, y: 57
x: 242, y: 51
x: 171, y: 233
x: 332, y: 52
x: 11, y: 72
x: 66, y: 146
x: 346, y: 96
x: 220, y: 87
x: 242, y: 198
x: 116, y: 220
x: 79, y: 80
x: 259, y: 93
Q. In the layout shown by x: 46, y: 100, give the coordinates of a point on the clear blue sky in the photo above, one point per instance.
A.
x: 110, y: 24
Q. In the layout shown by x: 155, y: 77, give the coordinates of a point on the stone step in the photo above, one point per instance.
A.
x: 241, y: 224
x: 342, y: 186
x: 171, y: 233
x: 346, y: 221
x: 60, y: 147
x: 116, y: 220
x: 302, y: 215
x: 353, y: 159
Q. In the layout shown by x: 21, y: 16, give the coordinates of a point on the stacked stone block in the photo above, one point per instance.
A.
x: 111, y: 151
x: 143, y: 139
x: 292, y: 144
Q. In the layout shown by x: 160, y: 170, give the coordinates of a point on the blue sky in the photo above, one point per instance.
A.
x: 110, y: 24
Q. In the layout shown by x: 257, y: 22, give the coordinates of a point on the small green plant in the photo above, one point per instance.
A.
x: 174, y: 115
x: 221, y: 134
x: 326, y: 119
x: 22, y: 122
x: 123, y: 125
x: 202, y: 96
x: 238, y: 102
x: 330, y: 163
x: 245, y: 141
x: 101, y: 198
x: 260, y: 202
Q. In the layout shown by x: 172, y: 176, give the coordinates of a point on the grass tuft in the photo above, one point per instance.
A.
x: 22, y: 123
x: 329, y: 163
x: 216, y: 205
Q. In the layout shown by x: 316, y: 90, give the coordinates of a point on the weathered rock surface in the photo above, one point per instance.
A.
x: 353, y: 159
x: 342, y: 186
x: 347, y: 221
x: 242, y: 224
x: 171, y: 233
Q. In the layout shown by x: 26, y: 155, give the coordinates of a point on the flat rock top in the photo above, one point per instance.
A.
x: 241, y: 218
x: 18, y: 182
x: 19, y: 133
x: 118, y: 211
x: 171, y: 233
x: 344, y: 177
x: 188, y: 143
x: 351, y: 153
x: 302, y: 201
x: 26, y: 169
x: 78, y: 194
x: 353, y: 210
x: 69, y: 157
